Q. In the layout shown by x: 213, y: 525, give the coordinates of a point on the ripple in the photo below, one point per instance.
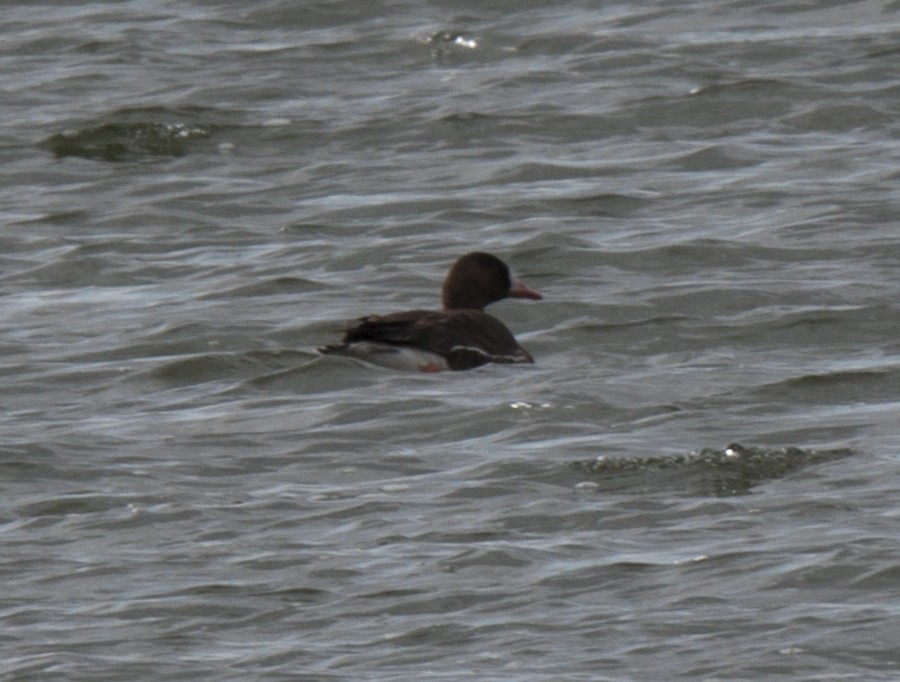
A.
x: 734, y: 470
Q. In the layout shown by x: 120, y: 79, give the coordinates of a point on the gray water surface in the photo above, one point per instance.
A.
x: 195, y: 195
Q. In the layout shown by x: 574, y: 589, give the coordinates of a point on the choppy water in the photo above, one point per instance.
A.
x: 194, y: 195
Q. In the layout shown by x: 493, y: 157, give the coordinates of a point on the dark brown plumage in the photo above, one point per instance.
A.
x: 462, y: 336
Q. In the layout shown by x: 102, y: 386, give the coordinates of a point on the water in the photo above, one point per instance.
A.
x: 195, y: 195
